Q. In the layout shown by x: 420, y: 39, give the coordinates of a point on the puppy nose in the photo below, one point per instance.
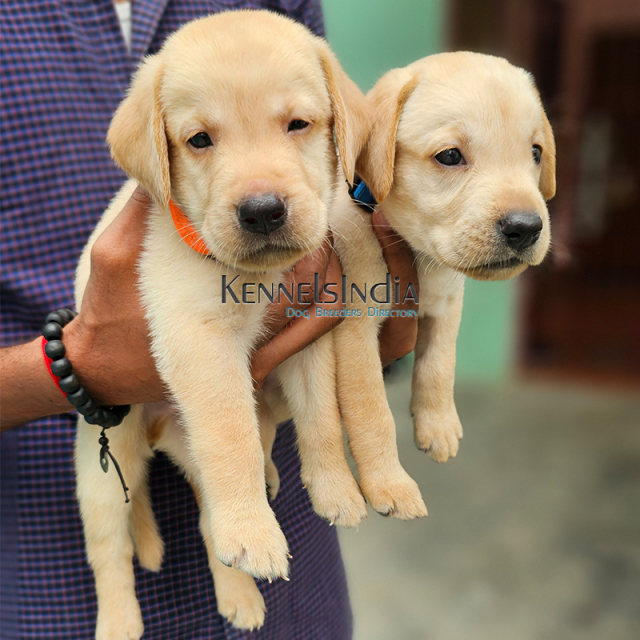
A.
x: 520, y: 229
x: 262, y: 214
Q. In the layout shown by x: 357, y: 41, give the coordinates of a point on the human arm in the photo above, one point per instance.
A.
x: 26, y: 389
x: 108, y: 342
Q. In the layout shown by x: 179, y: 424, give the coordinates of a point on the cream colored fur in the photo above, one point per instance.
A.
x: 241, y: 77
x: 491, y: 111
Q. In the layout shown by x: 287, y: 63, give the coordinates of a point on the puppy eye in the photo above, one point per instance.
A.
x: 297, y: 125
x: 200, y: 140
x: 450, y: 157
x: 537, y: 153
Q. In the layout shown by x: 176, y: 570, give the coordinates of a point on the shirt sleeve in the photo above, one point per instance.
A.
x: 309, y: 13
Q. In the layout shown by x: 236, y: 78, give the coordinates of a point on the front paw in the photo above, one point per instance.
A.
x: 254, y: 543
x: 437, y: 433
x: 393, y: 493
x: 239, y: 600
x: 336, y: 496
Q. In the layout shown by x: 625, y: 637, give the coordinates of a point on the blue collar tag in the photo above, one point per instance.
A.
x: 361, y: 195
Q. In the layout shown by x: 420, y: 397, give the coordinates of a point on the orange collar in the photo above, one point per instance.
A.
x: 187, y: 231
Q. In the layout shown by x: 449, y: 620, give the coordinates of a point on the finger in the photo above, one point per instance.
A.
x: 293, y: 338
x: 129, y: 226
x: 317, y: 262
x: 395, y: 248
x: 398, y: 256
x: 301, y: 332
x: 278, y: 312
x: 304, y: 272
x: 397, y: 338
x: 398, y: 335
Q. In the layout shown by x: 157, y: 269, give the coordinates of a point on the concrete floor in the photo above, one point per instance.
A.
x: 533, y: 530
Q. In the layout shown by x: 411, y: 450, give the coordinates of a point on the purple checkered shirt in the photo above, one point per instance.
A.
x: 65, y: 68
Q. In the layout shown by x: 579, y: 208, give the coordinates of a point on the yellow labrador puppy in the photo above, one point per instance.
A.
x: 231, y: 129
x: 462, y: 158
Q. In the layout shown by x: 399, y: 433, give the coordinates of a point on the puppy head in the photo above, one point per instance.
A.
x: 463, y: 155
x: 235, y: 121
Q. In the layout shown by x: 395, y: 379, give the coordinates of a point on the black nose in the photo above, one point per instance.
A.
x: 262, y: 214
x: 520, y: 229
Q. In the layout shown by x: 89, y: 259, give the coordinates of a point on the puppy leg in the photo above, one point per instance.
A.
x: 238, y: 597
x: 436, y: 425
x: 309, y: 383
x: 105, y: 518
x: 268, y: 427
x: 369, y: 423
x: 223, y: 439
x: 147, y: 541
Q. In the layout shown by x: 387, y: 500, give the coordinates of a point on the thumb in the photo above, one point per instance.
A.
x: 129, y: 225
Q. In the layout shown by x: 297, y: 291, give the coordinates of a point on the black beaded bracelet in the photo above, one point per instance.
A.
x: 76, y: 394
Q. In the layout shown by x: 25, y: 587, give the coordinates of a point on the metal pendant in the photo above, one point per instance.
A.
x: 104, y: 459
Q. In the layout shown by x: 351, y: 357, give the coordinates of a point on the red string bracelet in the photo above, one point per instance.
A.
x: 61, y: 371
x: 48, y: 361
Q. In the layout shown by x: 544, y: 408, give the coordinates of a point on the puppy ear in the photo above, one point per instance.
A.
x: 137, y: 135
x: 548, y: 165
x: 350, y: 110
x: 386, y: 99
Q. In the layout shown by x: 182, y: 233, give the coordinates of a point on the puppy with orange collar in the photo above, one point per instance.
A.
x: 232, y: 128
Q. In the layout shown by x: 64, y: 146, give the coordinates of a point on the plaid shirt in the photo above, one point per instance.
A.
x: 65, y: 68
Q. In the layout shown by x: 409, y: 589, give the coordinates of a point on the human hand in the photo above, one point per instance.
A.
x: 398, y: 335
x: 108, y: 342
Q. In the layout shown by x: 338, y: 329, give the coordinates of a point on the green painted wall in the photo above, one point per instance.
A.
x: 487, y: 336
x: 371, y: 37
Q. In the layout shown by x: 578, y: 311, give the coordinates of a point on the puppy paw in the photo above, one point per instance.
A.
x: 272, y: 478
x: 336, y: 497
x: 438, y: 434
x: 254, y: 544
x: 149, y: 547
x: 394, y: 494
x: 239, y: 600
x: 120, y: 623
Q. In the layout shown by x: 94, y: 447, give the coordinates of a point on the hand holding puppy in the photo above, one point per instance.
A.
x: 108, y: 342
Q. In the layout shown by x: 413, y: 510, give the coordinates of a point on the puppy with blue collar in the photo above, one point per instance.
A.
x: 461, y: 159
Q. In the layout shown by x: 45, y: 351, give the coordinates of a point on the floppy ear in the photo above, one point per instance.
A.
x: 137, y: 135
x: 350, y: 110
x: 548, y: 166
x: 386, y: 100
